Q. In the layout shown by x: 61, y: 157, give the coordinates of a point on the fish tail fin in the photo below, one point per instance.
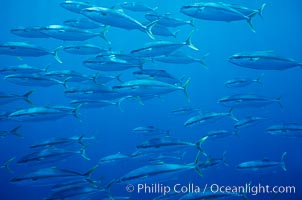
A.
x: 232, y: 115
x: 90, y: 171
x: 119, y: 102
x: 175, y: 33
x: 55, y: 54
x: 237, y: 132
x: 75, y: 111
x: 6, y: 165
x: 283, y: 162
x: 185, y: 86
x: 259, y: 78
x: 188, y: 42
x: 202, y: 62
x: 80, y: 140
x: 26, y: 96
x: 191, y: 23
x: 118, y: 78
x: 83, y: 152
x: 14, y: 131
x: 249, y: 21
x: 148, y: 29
x: 94, y: 77
x: 65, y: 82
x: 197, y: 163
x: 102, y: 34
x: 260, y: 10
x: 224, y: 159
x: 279, y: 102
x: 139, y: 100
x: 199, y: 143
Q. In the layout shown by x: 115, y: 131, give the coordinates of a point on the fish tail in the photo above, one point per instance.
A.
x: 188, y: 42
x: 148, y: 29
x: 237, y: 132
x: 283, y: 162
x: 6, y: 165
x: 55, y: 54
x: 75, y: 111
x: 26, y: 96
x: 197, y: 163
x: 249, y: 21
x: 14, y: 131
x: 185, y: 86
x: 279, y: 102
x: 232, y: 115
x: 191, y: 22
x: 260, y: 10
x: 83, y: 152
x: 80, y: 140
x: 118, y: 78
x: 200, y: 142
x: 202, y: 62
x: 175, y: 33
x: 259, y: 78
x: 119, y: 102
x: 103, y: 34
x: 90, y: 171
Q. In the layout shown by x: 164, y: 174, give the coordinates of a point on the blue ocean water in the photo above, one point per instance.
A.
x: 279, y: 30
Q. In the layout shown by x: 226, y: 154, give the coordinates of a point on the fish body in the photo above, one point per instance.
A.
x: 160, y: 75
x: 291, y: 130
x: 263, y: 60
x: 258, y: 165
x: 43, y: 113
x: 185, y: 111
x: 113, y: 158
x: 21, y: 69
x: 150, y: 130
x: 166, y: 20
x: 68, y: 75
x: 29, y: 32
x: 137, y: 7
x: 248, y: 121
x: 179, y: 58
x: 24, y: 49
x: 67, y: 33
x: 163, y: 31
x: 75, y: 6
x: 242, y: 82
x: 116, y: 18
x: 248, y: 100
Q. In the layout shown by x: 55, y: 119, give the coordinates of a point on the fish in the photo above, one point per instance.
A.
x: 21, y: 69
x: 156, y: 74
x: 151, y: 171
x: 82, y: 23
x: 220, y: 134
x: 160, y: 48
x: 67, y: 33
x: 91, y: 103
x: 185, y: 111
x: 23, y: 49
x: 75, y: 6
x: 212, y: 162
x: 258, y: 165
x: 248, y: 100
x: 147, y: 87
x: 85, y: 49
x: 117, y: 18
x: 291, y: 130
x: 137, y: 7
x: 6, y: 98
x: 67, y: 76
x: 5, y: 165
x: 113, y: 62
x: 150, y: 130
x: 169, y: 142
x: 180, y: 58
x: 208, y: 194
x: 93, y: 92
x: 29, y: 32
x: 242, y: 82
x: 34, y: 80
x: 50, y: 174
x: 209, y: 117
x: 219, y: 11
x: 59, y: 142
x: 113, y: 158
x: 248, y: 121
x: 13, y: 131
x: 51, y: 155
x: 263, y: 60
x: 42, y: 113
x: 167, y: 21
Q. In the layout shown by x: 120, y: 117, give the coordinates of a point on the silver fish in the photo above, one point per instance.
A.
x: 82, y: 23
x: 85, y: 49
x: 113, y: 158
x: 13, y: 131
x: 6, y: 98
x: 137, y: 7
x: 291, y: 130
x: 242, y: 82
x: 263, y: 60
x: 27, y: 50
x: 167, y: 20
x: 75, y: 6
x: 29, y: 32
x: 21, y: 69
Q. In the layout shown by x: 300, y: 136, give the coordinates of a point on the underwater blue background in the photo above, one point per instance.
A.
x: 279, y: 30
